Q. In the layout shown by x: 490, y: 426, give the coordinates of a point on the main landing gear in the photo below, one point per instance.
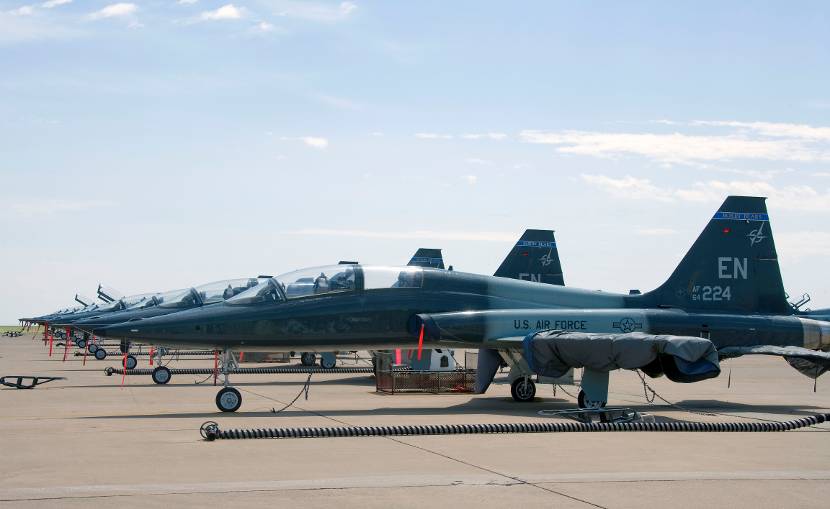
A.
x: 523, y: 389
x: 130, y: 362
x: 308, y: 358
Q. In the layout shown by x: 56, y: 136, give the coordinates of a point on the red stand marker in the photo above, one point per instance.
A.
x: 47, y: 334
x: 152, y: 351
x: 398, y: 358
x: 420, y: 341
x: 66, y: 343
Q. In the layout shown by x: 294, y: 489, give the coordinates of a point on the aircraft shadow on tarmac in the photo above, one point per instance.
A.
x: 489, y: 406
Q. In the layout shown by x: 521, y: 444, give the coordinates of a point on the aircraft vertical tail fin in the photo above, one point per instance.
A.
x: 732, y: 266
x: 425, y: 257
x: 534, y: 258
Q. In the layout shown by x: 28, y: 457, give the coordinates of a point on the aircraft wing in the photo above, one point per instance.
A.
x: 811, y: 363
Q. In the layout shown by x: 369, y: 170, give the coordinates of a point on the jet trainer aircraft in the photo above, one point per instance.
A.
x: 725, y: 299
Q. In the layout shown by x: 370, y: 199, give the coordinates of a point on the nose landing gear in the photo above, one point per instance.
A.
x: 228, y: 399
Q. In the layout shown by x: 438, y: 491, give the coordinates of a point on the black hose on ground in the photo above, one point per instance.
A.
x: 210, y: 430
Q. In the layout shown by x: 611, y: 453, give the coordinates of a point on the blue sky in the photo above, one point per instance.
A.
x: 158, y: 144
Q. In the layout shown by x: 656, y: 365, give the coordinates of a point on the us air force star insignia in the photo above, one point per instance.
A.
x: 628, y: 325
x: 546, y: 260
x: 756, y: 236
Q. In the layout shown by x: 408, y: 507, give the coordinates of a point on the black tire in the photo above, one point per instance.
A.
x: 81, y: 344
x: 228, y: 399
x: 91, y: 348
x: 523, y: 390
x: 308, y: 358
x: 161, y: 375
x: 328, y: 362
x: 100, y: 354
x: 580, y: 401
x: 131, y: 362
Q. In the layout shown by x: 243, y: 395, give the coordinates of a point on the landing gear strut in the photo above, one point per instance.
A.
x: 523, y: 389
x: 228, y: 399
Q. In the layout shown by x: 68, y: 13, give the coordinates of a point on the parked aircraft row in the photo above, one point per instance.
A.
x: 725, y: 299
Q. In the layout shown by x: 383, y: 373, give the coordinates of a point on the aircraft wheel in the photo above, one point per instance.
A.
x: 523, y: 389
x: 307, y: 359
x: 124, y: 346
x: 228, y: 400
x: 161, y: 375
x: 100, y: 354
x: 328, y: 362
x: 81, y: 343
x: 91, y: 348
x: 131, y: 362
x: 583, y: 402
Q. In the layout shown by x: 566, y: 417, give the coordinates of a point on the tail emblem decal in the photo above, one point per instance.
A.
x: 757, y: 235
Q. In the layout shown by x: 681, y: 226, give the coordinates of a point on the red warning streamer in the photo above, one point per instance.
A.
x: 124, y: 371
x: 215, y: 366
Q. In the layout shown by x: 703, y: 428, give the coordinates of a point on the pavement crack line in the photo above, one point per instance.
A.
x: 441, y: 455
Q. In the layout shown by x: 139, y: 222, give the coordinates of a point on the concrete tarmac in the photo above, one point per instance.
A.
x: 87, y: 441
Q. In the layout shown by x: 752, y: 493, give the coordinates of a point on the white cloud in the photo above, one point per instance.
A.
x: 55, y: 3
x: 798, y: 245
x: 15, y: 28
x: 315, y: 11
x: 773, y: 129
x: 25, y: 10
x: 410, y: 235
x: 793, y: 197
x: 226, y: 12
x: 186, y: 2
x: 675, y: 147
x: 310, y: 141
x: 821, y: 174
x: 488, y: 136
x: 471, y: 179
x: 264, y: 26
x: 433, y: 136
x: 114, y: 11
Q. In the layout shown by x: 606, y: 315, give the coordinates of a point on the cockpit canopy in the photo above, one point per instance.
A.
x: 332, y: 279
x: 205, y: 294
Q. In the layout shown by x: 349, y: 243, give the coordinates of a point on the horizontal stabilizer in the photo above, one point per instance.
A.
x: 811, y: 363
